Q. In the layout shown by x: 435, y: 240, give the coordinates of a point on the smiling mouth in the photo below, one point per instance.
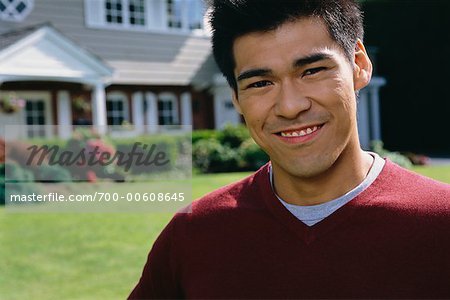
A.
x: 299, y: 132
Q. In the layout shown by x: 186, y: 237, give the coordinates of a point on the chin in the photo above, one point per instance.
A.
x: 309, y: 168
x: 311, y: 171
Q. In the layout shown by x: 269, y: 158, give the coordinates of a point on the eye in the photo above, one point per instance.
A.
x: 260, y: 84
x: 313, y: 71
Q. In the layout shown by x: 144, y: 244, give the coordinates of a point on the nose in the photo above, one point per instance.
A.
x: 291, y: 100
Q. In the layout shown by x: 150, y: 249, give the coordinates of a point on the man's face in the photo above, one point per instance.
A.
x: 296, y: 91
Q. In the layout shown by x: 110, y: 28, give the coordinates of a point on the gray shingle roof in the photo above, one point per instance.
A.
x: 9, y: 38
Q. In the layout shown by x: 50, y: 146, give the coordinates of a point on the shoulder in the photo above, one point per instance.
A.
x: 402, y: 188
x: 240, y: 196
x: 415, y: 182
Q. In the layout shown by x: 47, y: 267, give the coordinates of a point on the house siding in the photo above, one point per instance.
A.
x: 137, y: 57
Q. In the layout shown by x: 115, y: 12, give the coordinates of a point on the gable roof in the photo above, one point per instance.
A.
x: 9, y: 38
x: 41, y: 52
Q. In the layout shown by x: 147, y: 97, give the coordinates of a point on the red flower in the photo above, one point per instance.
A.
x: 91, y: 176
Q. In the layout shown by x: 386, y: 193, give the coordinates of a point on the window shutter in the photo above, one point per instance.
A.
x: 94, y: 11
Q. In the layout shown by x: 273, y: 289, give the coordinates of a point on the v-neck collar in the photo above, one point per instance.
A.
x: 309, y: 234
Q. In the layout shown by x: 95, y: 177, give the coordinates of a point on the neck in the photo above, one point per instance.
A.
x: 347, y: 172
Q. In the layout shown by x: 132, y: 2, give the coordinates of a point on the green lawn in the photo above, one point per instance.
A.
x: 441, y: 173
x: 81, y: 256
x: 90, y: 256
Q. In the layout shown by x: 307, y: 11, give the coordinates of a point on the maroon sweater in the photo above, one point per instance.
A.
x: 391, y: 241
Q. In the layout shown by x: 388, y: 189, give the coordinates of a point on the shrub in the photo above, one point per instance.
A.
x: 15, y: 174
x: 2, y: 151
x: 204, y: 134
x: 46, y: 173
x: 210, y: 156
x: 401, y: 160
x: 2, y: 184
x: 87, y: 141
x: 61, y: 143
x: 227, y: 150
x: 417, y: 159
x: 252, y: 157
x: 233, y: 136
x: 170, y: 145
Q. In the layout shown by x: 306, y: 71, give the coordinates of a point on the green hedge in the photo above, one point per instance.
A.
x: 204, y: 134
x: 228, y: 150
x: 23, y: 179
x: 211, y: 156
x: 171, y: 146
x: 252, y: 157
x: 378, y: 147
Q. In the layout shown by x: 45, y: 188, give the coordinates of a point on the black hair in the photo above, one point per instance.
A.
x: 231, y: 19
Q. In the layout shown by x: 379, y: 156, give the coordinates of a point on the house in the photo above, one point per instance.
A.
x: 116, y: 62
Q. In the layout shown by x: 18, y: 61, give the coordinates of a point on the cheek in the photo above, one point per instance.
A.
x: 337, y: 98
x: 255, y: 117
x: 342, y: 96
x: 255, y: 112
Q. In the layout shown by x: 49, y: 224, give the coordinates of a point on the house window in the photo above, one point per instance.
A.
x: 35, y: 118
x: 114, y: 11
x: 15, y: 10
x: 174, y: 17
x: 167, y: 109
x: 228, y: 104
x: 137, y: 12
x: 145, y: 15
x: 116, y: 109
x: 195, y: 14
x: 185, y: 14
x: 125, y: 12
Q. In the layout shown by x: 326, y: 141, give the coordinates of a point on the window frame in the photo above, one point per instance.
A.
x: 35, y: 129
x: 125, y: 14
x: 125, y: 111
x: 167, y: 96
x: 32, y: 96
x: 95, y: 17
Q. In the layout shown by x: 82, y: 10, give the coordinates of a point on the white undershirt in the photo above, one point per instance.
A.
x: 313, y: 214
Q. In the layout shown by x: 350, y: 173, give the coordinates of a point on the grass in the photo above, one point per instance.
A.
x: 439, y: 172
x: 81, y: 256
x: 91, y: 256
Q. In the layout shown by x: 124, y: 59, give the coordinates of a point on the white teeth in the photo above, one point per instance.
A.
x: 299, y: 133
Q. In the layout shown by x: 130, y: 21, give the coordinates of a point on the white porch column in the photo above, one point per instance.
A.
x: 374, y: 89
x: 99, y: 108
x: 186, y: 109
x: 64, y: 115
x: 363, y: 119
x: 138, y: 112
x: 224, y: 112
x: 152, y: 112
x: 375, y: 127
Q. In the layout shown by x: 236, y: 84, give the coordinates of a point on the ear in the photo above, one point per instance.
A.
x: 362, y: 69
x: 236, y: 104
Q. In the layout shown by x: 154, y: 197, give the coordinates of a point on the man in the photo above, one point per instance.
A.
x: 324, y: 219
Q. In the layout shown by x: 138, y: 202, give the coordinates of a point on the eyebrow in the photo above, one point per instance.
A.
x: 253, y: 73
x: 301, y: 62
